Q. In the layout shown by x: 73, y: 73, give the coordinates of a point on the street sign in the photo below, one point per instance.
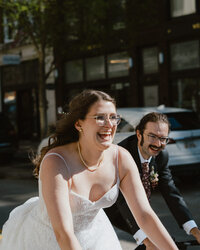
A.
x: 11, y: 59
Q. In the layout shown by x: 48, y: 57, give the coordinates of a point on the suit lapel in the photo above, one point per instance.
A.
x: 135, y: 154
x: 153, y: 164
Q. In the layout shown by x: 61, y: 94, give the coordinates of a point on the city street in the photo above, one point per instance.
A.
x: 17, y: 185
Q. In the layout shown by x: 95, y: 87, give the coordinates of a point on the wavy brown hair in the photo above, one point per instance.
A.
x: 65, y: 131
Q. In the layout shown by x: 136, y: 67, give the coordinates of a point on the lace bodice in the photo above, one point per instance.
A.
x: 80, y: 205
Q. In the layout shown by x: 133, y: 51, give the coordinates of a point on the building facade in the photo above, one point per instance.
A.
x: 159, y: 65
x: 155, y: 60
x: 19, y: 90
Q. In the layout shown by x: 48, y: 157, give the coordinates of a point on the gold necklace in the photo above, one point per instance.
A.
x: 90, y: 168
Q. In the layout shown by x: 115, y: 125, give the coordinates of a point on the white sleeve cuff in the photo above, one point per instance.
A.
x: 187, y: 226
x: 139, y: 236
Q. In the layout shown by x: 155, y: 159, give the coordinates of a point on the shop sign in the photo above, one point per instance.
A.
x: 11, y: 59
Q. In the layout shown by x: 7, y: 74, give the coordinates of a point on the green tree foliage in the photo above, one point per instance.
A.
x: 30, y: 21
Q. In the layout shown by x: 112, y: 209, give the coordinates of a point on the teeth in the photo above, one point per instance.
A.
x: 154, y: 148
x: 105, y: 133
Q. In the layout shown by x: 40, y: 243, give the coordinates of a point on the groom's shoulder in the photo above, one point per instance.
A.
x: 127, y: 140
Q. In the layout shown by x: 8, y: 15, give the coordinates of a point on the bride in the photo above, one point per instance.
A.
x: 80, y: 173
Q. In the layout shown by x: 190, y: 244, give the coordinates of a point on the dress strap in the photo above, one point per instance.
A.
x: 61, y: 157
x: 117, y: 161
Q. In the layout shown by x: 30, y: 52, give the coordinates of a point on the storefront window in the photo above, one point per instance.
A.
x: 182, y: 7
x: 150, y: 96
x: 121, y: 92
x: 74, y: 71
x: 10, y: 107
x: 95, y: 68
x: 150, y: 60
x: 185, y: 55
x: 186, y: 93
x: 118, y: 65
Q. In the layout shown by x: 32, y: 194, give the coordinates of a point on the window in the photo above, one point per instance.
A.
x: 95, y: 68
x: 186, y: 93
x: 182, y: 7
x: 116, y: 10
x: 150, y: 95
x: 120, y: 85
x: 150, y: 60
x: 74, y: 71
x: 10, y: 106
x: 183, y: 121
x: 9, y: 30
x: 118, y: 65
x: 185, y: 55
x: 121, y: 91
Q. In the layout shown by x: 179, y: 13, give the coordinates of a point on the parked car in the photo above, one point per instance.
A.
x: 8, y: 137
x: 43, y: 143
x: 184, y: 144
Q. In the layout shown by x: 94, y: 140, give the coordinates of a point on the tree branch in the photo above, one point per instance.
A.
x: 51, y: 68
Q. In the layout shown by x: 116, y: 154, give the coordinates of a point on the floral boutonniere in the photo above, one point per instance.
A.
x: 153, y: 178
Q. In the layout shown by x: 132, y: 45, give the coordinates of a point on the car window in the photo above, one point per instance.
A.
x: 124, y: 126
x: 183, y: 121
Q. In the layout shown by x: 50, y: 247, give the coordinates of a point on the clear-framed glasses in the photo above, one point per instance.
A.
x: 155, y: 138
x: 102, y: 119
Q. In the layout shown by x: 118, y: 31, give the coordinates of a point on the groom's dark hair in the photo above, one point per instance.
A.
x: 151, y: 117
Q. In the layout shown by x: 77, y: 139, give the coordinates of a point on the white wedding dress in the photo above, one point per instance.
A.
x: 29, y: 227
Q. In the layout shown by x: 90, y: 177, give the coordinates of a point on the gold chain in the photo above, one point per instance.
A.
x: 90, y: 168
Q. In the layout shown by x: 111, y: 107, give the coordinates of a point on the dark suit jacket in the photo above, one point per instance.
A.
x: 119, y: 213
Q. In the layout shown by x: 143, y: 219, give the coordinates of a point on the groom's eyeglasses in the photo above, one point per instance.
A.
x: 154, y: 138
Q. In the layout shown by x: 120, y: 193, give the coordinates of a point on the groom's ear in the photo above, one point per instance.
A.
x: 138, y: 134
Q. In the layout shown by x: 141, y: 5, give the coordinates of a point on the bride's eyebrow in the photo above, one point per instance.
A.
x: 105, y: 114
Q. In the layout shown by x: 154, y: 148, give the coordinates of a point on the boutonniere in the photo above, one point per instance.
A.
x: 153, y: 178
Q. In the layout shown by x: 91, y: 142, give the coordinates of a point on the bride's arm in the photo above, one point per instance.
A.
x: 55, y: 193
x: 133, y: 191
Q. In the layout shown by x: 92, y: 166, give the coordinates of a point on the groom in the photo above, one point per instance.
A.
x: 147, y: 148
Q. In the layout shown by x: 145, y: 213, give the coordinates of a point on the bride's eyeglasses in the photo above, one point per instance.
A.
x: 102, y: 119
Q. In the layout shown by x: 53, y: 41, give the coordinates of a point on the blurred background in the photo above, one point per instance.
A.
x: 143, y: 53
